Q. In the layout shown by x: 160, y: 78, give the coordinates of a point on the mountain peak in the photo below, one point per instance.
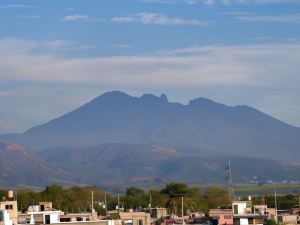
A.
x: 154, y: 98
x: 164, y: 97
x: 203, y: 102
x: 114, y: 94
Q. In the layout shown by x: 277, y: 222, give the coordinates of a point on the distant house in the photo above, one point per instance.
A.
x: 11, y: 208
x: 270, y: 213
x: 136, y: 218
x: 243, y: 215
x: 221, y: 216
x: 158, y: 213
x: 288, y: 219
x: 4, y: 218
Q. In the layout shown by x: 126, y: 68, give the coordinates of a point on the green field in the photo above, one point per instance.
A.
x: 264, y: 189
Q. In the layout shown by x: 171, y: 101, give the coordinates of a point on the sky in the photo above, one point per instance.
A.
x: 56, y: 55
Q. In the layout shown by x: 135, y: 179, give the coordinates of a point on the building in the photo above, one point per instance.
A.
x: 242, y: 214
x: 76, y: 217
x: 45, y: 214
x: 4, y: 218
x: 40, y: 214
x: 221, y: 216
x: 158, y: 213
x: 288, y: 219
x: 270, y: 213
x: 295, y: 211
x: 135, y: 218
x: 11, y: 207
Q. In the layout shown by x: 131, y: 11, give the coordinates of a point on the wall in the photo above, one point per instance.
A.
x: 135, y: 217
x: 13, y: 213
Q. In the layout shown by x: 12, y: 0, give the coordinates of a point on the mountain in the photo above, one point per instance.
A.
x: 122, y: 165
x: 210, y: 128
x: 19, y: 168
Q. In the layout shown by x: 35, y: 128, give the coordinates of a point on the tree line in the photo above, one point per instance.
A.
x: 78, y: 198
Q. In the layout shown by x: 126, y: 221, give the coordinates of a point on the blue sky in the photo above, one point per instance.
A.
x: 57, y: 54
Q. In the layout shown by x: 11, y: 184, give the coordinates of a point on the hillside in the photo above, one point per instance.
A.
x: 19, y: 168
x: 123, y: 165
x: 208, y: 127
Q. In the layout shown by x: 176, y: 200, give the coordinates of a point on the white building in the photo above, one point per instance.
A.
x: 4, y: 218
x: 242, y: 214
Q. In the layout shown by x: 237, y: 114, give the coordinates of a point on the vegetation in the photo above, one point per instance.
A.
x: 78, y: 199
x: 256, y: 188
x: 283, y: 201
x: 270, y: 222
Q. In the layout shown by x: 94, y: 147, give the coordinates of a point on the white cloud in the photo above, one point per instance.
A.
x: 159, y: 19
x: 160, y: 1
x: 189, y: 2
x: 209, y: 2
x: 124, y: 19
x: 248, y: 68
x: 122, y: 46
x: 29, y: 16
x: 71, y: 18
x: 293, y: 18
x: 210, y: 65
x: 18, y: 6
x: 248, y: 2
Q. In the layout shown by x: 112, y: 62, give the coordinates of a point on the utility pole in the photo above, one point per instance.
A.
x: 92, y: 201
x: 105, y: 205
x: 150, y: 204
x: 276, y: 216
x: 118, y: 203
x: 182, y: 210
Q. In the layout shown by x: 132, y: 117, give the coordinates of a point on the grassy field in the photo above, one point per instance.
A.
x: 265, y: 189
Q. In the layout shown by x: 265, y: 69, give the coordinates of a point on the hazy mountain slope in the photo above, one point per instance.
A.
x: 204, y: 125
x: 126, y: 164
x: 18, y: 168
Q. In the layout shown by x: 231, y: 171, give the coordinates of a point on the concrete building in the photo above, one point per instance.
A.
x: 77, y: 217
x: 43, y: 213
x: 270, y: 213
x: 295, y: 211
x: 158, y: 213
x: 221, y: 216
x: 4, y: 218
x: 38, y: 215
x: 11, y: 207
x: 241, y: 207
x: 135, y: 218
x: 242, y: 214
x: 288, y: 219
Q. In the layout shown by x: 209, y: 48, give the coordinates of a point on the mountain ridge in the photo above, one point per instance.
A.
x: 19, y: 168
x: 201, y: 124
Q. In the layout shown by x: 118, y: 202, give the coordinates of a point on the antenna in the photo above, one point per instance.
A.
x: 231, y: 193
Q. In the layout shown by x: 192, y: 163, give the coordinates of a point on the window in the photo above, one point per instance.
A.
x: 47, y: 219
x: 79, y: 219
x: 1, y: 216
x: 7, y: 207
x: 141, y: 222
x: 235, y: 209
x: 227, y: 216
